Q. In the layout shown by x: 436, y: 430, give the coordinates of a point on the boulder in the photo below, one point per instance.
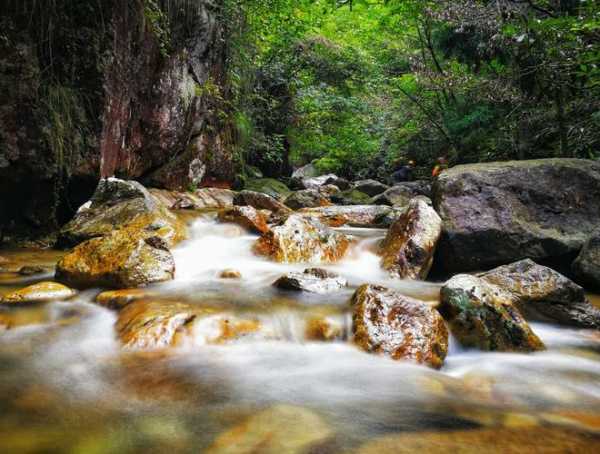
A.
x: 389, y: 323
x: 307, y: 198
x: 587, y: 265
x: 317, y: 182
x: 302, y: 239
x: 498, y: 213
x: 313, y: 280
x: 370, y: 187
x: 42, y: 291
x: 197, y: 200
x: 408, y: 249
x: 276, y: 430
x: 270, y: 186
x: 118, y: 204
x: 307, y: 171
x: 150, y: 325
x: 351, y: 197
x: 541, y: 293
x: 339, y: 182
x: 482, y: 315
x: 355, y: 215
x: 402, y: 193
x: 246, y: 217
x: 122, y: 259
x: 261, y: 201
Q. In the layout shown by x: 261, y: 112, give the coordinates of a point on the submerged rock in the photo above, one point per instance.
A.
x: 314, y: 280
x: 230, y: 274
x: 325, y: 329
x: 269, y: 186
x: 354, y: 215
x: 540, y: 292
x: 118, y: 299
x: 29, y: 270
x: 403, y: 328
x: 484, y: 316
x: 402, y: 193
x: 42, y: 291
x: 122, y: 259
x: 302, y: 239
x: 370, y: 187
x: 149, y: 325
x: 408, y: 249
x: 498, y: 213
x: 119, y: 204
x: 246, y: 217
x: 307, y: 198
x: 276, y: 430
x: 587, y: 265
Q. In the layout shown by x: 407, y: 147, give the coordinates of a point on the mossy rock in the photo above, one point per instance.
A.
x: 351, y: 197
x: 270, y: 186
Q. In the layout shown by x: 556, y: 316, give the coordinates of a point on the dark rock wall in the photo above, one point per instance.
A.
x: 89, y: 89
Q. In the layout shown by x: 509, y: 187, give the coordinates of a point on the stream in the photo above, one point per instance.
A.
x: 67, y: 386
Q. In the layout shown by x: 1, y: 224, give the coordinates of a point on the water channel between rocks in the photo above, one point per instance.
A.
x: 67, y: 385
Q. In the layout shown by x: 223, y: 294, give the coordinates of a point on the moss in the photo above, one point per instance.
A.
x: 159, y: 24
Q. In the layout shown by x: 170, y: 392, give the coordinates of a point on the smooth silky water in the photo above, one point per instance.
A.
x: 67, y: 386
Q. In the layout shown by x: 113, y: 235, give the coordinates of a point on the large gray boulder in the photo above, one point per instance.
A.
x: 587, y: 265
x: 402, y: 193
x: 498, y: 213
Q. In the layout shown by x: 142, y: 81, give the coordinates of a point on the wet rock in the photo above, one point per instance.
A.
x: 587, y: 265
x: 150, y: 325
x: 389, y: 323
x: 325, y: 329
x: 542, y: 293
x: 498, y: 213
x: 230, y: 274
x: 246, y: 217
x: 29, y: 270
x: 314, y: 280
x: 269, y: 186
x: 118, y: 299
x: 484, y: 316
x: 261, y: 201
x: 355, y: 216
x: 370, y: 187
x: 408, y: 249
x: 498, y: 440
x: 279, y: 429
x: 351, y: 197
x: 402, y: 193
x: 307, y: 198
x: 197, y: 200
x: 302, y: 239
x: 42, y: 291
x: 119, y: 204
x: 122, y: 259
x: 317, y: 182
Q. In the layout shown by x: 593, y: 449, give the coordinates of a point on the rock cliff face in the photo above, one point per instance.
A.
x: 91, y: 89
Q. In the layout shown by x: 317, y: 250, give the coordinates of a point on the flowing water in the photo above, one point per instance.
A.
x: 67, y: 386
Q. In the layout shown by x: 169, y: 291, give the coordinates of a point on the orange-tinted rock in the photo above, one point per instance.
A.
x: 246, y: 217
x: 389, y: 323
x: 408, y: 249
x: 43, y: 291
x: 197, y: 200
x: 230, y: 274
x: 302, y: 239
x: 117, y: 299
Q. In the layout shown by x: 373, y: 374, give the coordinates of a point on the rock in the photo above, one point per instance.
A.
x: 261, y: 201
x: 408, y: 249
x: 307, y: 198
x: 370, y: 187
x: 246, y: 217
x: 122, y: 259
x: 317, y: 182
x: 497, y: 440
x: 302, y: 239
x: 279, y: 429
x: 325, y: 329
x: 4, y: 260
x: 402, y: 193
x: 587, y: 265
x: 150, y: 325
x: 269, y: 186
x: 351, y: 197
x: 498, y: 213
x: 197, y: 200
x: 314, y: 280
x: 542, y: 293
x: 340, y: 183
x: 230, y: 274
x: 355, y: 216
x: 482, y: 315
x: 389, y: 323
x: 119, y: 204
x: 42, y: 291
x: 31, y: 270
x: 307, y: 171
x: 118, y: 299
